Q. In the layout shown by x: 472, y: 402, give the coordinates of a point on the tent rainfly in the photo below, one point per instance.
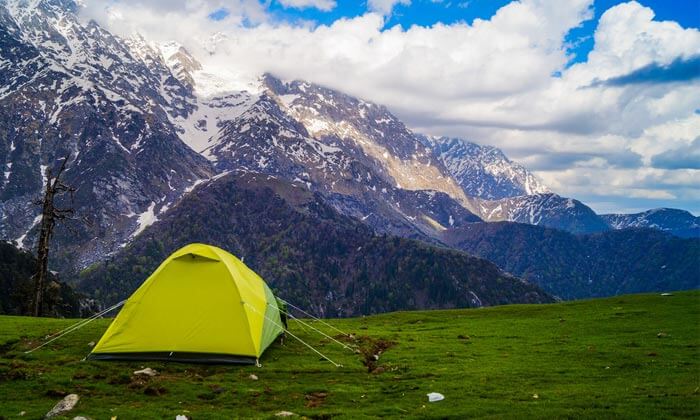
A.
x: 201, y: 305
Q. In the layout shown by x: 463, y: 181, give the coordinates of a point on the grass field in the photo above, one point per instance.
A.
x: 623, y: 357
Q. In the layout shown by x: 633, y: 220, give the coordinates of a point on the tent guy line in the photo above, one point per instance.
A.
x: 315, y: 318
x: 321, y: 332
x: 297, y: 338
x: 78, y: 325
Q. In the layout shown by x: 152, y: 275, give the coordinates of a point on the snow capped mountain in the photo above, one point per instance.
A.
x: 502, y: 190
x: 74, y: 89
x: 677, y: 222
x: 548, y: 210
x: 369, y: 132
x: 484, y: 171
x: 333, y: 144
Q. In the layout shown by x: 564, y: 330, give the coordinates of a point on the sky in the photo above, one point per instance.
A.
x: 599, y: 98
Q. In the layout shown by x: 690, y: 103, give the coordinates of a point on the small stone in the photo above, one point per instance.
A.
x: 63, y: 406
x: 181, y: 417
x: 81, y: 418
x: 535, y: 396
x: 284, y: 414
x: 253, y: 377
x: 661, y: 335
x: 22, y: 413
x: 147, y: 372
x: 91, y: 344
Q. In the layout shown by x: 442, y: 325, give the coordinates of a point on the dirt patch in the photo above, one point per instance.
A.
x: 55, y: 393
x: 315, y: 399
x: 370, y: 349
x: 120, y: 380
x: 155, y: 391
x: 217, y: 389
x: 138, y: 382
x: 80, y: 375
x: 15, y: 374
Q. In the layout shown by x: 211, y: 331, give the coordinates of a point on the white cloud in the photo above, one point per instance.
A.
x: 385, y: 7
x: 491, y: 81
x: 325, y: 5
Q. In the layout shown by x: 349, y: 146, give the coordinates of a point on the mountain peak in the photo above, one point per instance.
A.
x: 484, y: 171
x: 676, y: 221
x: 181, y: 63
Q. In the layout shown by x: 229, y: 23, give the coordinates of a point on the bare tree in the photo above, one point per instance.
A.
x: 49, y: 216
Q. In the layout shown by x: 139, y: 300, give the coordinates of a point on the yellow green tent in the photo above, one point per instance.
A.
x: 202, y: 304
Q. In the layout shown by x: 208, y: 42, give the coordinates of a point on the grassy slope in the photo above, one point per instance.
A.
x: 598, y: 358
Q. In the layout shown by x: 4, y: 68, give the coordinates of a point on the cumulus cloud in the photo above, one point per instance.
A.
x: 504, y: 81
x: 325, y: 5
x: 385, y: 6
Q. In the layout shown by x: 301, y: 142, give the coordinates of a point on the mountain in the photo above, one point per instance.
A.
x: 677, y: 222
x: 579, y: 266
x: 76, y: 90
x: 145, y: 125
x: 502, y: 190
x: 358, y: 155
x: 309, y: 253
x: 548, y: 210
x: 484, y: 171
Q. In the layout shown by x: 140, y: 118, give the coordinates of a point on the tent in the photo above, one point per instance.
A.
x: 201, y: 305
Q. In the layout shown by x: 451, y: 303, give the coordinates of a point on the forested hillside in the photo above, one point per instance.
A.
x: 17, y: 287
x: 309, y: 254
x: 577, y: 266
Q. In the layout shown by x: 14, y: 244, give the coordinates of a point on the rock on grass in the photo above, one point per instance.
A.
x: 63, y: 406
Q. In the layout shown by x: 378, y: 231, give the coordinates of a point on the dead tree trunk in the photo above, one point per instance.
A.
x: 49, y: 216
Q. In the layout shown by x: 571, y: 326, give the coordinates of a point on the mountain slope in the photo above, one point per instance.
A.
x: 578, y: 266
x: 484, y: 171
x: 309, y: 253
x: 674, y: 221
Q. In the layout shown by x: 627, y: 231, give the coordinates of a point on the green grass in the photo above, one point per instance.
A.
x: 623, y: 357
